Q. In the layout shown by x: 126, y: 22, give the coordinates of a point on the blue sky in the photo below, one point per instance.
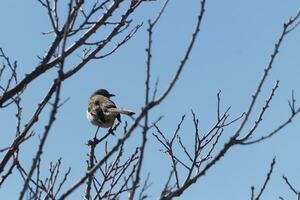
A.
x: 233, y: 47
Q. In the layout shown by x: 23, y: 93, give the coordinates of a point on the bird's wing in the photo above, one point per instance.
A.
x: 95, y: 108
x: 108, y: 105
x: 100, y: 106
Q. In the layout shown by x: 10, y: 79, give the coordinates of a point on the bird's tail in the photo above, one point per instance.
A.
x: 121, y: 111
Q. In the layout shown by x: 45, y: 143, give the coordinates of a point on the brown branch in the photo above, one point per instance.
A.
x: 233, y: 140
x: 92, y: 146
x: 99, y: 47
x: 146, y: 126
x: 281, y: 126
x: 266, y: 180
x: 290, y: 185
x: 44, y: 65
x: 125, y: 39
x: 17, y: 141
x: 9, y: 172
x: 145, y: 187
x: 144, y: 110
x: 269, y: 66
x: 264, y: 109
x: 55, y: 106
x: 168, y: 144
x: 292, y: 103
x: 52, y: 20
x: 100, y: 22
x: 62, y: 182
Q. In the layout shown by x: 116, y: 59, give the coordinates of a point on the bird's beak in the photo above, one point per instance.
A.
x: 111, y: 95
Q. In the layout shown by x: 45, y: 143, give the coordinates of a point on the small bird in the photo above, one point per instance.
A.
x: 102, y: 111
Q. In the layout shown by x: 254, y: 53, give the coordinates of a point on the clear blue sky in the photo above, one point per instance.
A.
x: 232, y: 49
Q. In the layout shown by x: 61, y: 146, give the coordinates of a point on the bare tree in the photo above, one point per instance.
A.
x: 118, y: 171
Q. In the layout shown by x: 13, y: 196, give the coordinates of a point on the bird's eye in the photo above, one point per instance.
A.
x: 97, y: 103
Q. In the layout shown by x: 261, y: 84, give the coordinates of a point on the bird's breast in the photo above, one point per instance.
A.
x: 109, y: 119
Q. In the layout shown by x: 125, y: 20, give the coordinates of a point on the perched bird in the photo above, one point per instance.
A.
x: 102, y: 111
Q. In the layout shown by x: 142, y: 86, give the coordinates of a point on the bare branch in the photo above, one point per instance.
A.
x: 265, y: 107
x: 290, y: 185
x: 54, y: 108
x: 266, y: 180
x: 281, y: 126
x: 269, y: 66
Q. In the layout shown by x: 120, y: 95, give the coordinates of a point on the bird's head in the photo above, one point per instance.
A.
x: 103, y: 92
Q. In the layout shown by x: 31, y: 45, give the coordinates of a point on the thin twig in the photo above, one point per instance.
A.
x: 266, y: 180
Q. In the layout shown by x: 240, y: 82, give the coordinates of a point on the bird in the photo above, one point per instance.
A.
x: 102, y: 111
